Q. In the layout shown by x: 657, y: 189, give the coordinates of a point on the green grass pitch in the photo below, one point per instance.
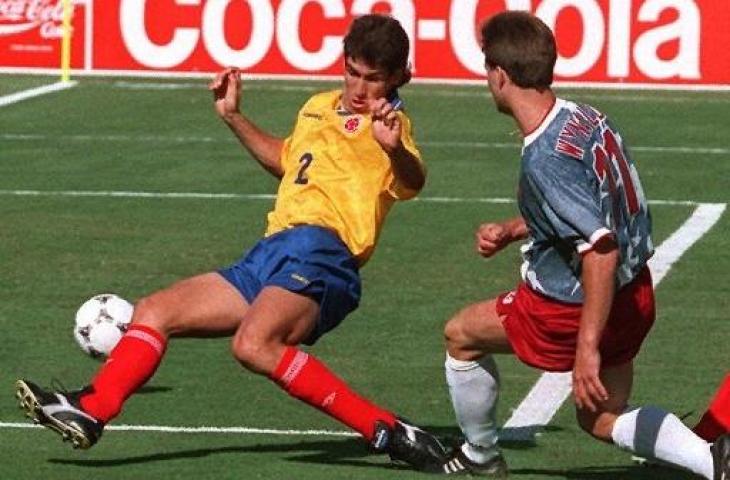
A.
x: 141, y: 136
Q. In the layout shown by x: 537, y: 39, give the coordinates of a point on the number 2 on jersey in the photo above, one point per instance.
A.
x: 305, y: 160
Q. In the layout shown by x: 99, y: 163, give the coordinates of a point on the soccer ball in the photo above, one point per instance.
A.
x: 100, y: 323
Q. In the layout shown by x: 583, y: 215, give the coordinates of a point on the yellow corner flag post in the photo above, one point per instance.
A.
x: 66, y: 42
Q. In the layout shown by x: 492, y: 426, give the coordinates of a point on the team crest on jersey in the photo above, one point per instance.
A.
x: 352, y: 124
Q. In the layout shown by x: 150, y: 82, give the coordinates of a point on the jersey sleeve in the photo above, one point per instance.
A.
x: 286, y: 147
x: 396, y: 189
x: 570, y: 199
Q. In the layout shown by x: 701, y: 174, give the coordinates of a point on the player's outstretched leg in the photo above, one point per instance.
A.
x: 407, y: 443
x: 79, y: 416
x: 304, y: 377
x: 60, y: 412
x: 721, y: 457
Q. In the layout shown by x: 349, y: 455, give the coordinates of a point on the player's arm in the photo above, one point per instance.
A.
x: 598, y: 279
x: 493, y: 237
x: 408, y: 169
x: 265, y: 148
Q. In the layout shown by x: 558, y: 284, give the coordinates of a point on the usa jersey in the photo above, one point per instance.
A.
x: 337, y: 176
x: 578, y: 184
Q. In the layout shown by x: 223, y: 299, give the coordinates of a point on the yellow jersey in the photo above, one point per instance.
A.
x: 337, y: 176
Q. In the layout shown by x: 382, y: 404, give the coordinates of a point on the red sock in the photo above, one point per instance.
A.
x: 132, y: 362
x: 307, y: 379
x: 716, y: 420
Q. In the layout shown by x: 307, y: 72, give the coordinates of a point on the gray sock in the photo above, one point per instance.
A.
x: 474, y: 390
x: 656, y: 434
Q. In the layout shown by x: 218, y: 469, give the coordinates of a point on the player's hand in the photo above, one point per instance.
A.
x: 386, y: 125
x: 491, y: 238
x: 588, y: 390
x: 226, y: 88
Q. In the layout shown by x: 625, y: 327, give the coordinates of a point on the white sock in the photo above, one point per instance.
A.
x: 656, y: 434
x: 474, y: 390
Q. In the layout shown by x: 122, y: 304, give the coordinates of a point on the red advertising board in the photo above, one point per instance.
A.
x: 31, y: 30
x: 655, y: 42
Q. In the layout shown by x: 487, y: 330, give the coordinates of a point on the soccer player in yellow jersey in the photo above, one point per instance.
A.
x: 349, y: 158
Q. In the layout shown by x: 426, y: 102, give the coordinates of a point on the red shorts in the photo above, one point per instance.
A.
x: 543, y: 332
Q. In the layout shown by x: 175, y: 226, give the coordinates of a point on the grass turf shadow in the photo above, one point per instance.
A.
x: 632, y: 472
x: 346, y: 452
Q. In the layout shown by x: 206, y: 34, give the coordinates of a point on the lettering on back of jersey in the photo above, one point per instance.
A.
x: 577, y: 130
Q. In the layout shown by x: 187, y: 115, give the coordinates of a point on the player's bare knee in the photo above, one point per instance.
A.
x: 454, y: 335
x: 459, y: 344
x: 149, y: 312
x: 586, y: 420
x: 597, y: 424
x: 251, y: 353
x: 242, y: 350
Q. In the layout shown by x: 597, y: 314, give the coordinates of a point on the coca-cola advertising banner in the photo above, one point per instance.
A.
x: 31, y: 31
x: 655, y: 42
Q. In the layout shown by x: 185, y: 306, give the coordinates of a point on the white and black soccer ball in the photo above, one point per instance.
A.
x: 100, y: 323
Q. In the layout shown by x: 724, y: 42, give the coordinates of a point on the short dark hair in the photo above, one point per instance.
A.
x: 380, y: 41
x: 523, y: 46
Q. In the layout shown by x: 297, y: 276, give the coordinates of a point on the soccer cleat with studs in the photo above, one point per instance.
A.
x: 721, y: 457
x: 60, y: 412
x: 459, y: 464
x: 409, y: 444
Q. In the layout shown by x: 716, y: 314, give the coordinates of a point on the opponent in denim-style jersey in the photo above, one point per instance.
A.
x: 586, y: 302
x: 577, y: 184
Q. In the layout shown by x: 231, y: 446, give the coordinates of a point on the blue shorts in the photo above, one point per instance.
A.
x: 307, y: 260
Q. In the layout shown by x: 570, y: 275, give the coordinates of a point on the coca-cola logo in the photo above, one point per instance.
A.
x: 17, y: 16
x: 611, y: 39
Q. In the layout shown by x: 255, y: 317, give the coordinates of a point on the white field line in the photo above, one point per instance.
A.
x: 701, y: 221
x: 34, y: 92
x: 270, y: 196
x: 126, y: 194
x: 708, y: 87
x: 638, y: 148
x: 235, y: 430
x: 553, y: 389
x: 472, y: 89
x: 435, y: 144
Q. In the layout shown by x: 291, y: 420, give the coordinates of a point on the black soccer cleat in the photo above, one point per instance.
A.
x: 409, y: 444
x: 459, y: 464
x: 60, y: 412
x: 721, y: 457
